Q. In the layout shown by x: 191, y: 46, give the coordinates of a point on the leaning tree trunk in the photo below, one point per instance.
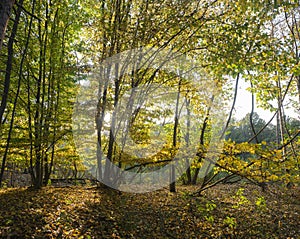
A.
x: 5, y: 10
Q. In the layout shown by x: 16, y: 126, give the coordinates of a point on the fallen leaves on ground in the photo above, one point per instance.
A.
x: 225, y: 211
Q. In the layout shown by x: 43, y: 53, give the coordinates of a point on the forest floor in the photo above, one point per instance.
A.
x: 224, y: 211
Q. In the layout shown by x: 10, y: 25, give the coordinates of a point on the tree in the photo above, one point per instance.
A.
x: 8, y: 75
x: 39, y: 111
x: 5, y: 11
x: 228, y: 39
x: 241, y: 131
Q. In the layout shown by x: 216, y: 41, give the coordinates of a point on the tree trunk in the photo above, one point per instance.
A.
x: 175, y: 130
x: 187, y: 141
x: 5, y: 11
x: 298, y: 86
x: 7, y: 86
x: 172, y: 179
x: 204, y: 126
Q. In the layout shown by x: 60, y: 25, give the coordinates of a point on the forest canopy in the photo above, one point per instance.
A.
x: 130, y: 91
x: 121, y: 119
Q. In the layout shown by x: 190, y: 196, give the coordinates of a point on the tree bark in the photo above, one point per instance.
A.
x: 175, y: 131
x: 204, y: 126
x: 5, y: 11
x: 298, y: 86
x: 187, y: 141
x: 7, y: 85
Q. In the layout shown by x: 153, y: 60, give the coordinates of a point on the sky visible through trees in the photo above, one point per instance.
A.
x: 243, y: 106
x: 67, y: 75
x: 176, y: 96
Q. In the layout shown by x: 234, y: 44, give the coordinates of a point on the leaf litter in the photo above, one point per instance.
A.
x: 224, y: 211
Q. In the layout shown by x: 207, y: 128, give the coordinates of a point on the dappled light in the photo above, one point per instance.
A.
x: 122, y: 119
